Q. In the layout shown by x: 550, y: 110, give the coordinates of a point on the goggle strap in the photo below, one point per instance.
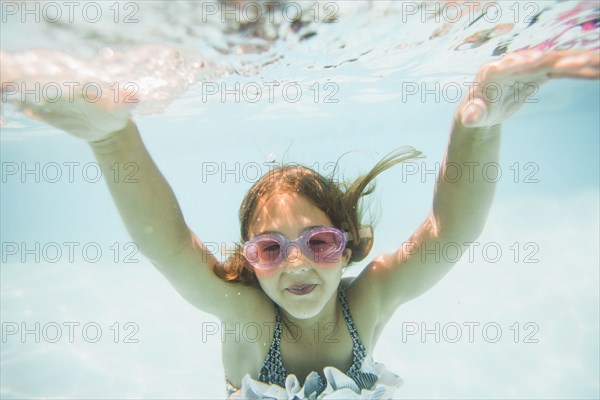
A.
x: 364, y: 232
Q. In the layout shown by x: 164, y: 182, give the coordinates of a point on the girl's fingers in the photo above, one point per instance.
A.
x: 536, y: 65
x: 518, y: 63
x: 583, y: 73
x: 586, y: 66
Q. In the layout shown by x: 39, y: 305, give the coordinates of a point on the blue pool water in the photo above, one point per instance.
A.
x: 516, y: 318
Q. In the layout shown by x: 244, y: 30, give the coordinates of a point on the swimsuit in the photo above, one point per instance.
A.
x: 275, y: 382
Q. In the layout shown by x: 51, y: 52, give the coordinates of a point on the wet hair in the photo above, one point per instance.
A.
x: 340, y: 201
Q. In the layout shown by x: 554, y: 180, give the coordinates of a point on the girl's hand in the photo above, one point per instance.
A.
x: 503, y: 86
x: 90, y: 115
x: 80, y: 116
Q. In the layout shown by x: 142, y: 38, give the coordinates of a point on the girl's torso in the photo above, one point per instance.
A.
x: 246, y: 344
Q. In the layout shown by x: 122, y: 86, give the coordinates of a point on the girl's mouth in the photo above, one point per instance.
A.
x: 301, y: 290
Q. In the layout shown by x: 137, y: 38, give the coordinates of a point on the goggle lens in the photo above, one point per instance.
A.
x: 268, y: 250
x: 320, y: 244
x: 324, y: 245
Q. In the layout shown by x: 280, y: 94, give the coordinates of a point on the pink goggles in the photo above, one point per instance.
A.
x: 321, y: 245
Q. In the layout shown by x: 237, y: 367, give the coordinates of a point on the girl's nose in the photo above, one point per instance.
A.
x: 294, y: 259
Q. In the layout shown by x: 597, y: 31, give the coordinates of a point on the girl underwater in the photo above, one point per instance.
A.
x: 299, y: 230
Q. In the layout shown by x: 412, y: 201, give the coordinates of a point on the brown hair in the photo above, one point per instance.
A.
x: 340, y: 201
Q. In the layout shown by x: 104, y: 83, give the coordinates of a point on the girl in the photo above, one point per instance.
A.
x: 299, y: 231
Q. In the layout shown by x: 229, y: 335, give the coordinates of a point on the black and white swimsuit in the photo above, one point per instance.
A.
x: 274, y: 373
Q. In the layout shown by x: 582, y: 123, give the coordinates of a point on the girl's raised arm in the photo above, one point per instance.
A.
x: 147, y: 205
x: 460, y: 206
x: 150, y: 211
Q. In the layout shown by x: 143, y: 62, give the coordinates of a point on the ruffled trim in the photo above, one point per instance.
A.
x: 338, y: 386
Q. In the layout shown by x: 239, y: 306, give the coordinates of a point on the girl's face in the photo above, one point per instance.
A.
x: 298, y: 285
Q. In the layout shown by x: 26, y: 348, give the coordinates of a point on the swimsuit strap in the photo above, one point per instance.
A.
x: 364, y: 380
x: 273, y: 371
x: 358, y: 348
